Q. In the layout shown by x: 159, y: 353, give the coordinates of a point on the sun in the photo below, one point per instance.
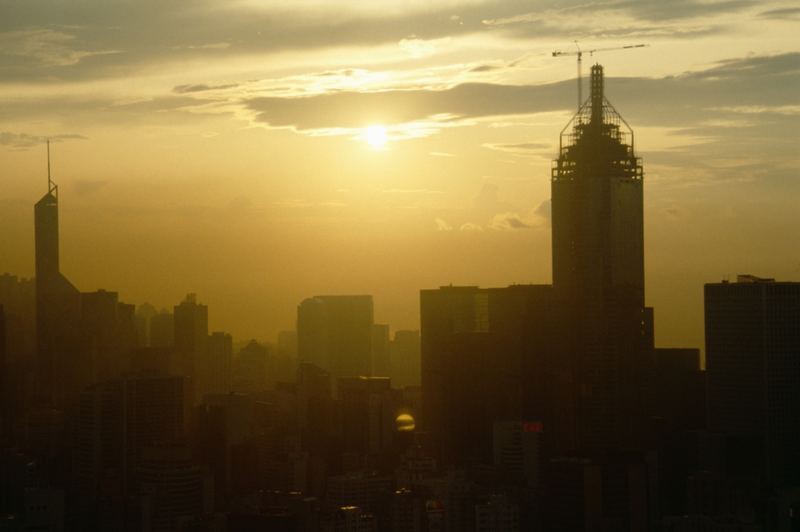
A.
x: 376, y: 136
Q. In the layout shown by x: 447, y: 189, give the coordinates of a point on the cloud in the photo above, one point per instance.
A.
x: 522, y: 148
x: 202, y: 87
x: 781, y: 13
x: 442, y: 225
x: 25, y: 140
x: 85, y: 187
x: 508, y: 221
x: 100, y: 39
x: 684, y: 99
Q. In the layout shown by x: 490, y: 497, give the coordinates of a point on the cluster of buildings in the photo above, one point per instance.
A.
x: 531, y: 407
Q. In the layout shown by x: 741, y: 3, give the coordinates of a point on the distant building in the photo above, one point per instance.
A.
x: 191, y: 340
x: 381, y: 365
x: 215, y: 365
x: 108, y: 331
x: 250, y: 368
x: 162, y: 330
x: 404, y: 359
x: 116, y: 420
x: 753, y: 366
x: 335, y: 334
x: 368, y: 415
x: 173, y: 490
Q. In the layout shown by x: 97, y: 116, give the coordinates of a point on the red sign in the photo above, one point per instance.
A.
x: 533, y: 426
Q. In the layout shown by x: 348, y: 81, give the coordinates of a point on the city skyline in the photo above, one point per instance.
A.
x: 291, y: 273
x: 432, y: 129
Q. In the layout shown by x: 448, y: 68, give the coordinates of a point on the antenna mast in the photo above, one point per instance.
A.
x: 50, y: 185
x: 579, y: 54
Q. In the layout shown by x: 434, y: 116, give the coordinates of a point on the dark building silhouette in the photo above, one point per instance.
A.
x: 162, y: 330
x: 5, y: 404
x: 485, y: 358
x: 380, y: 350
x: 214, y: 371
x: 335, y: 334
x: 404, y: 359
x: 250, y: 368
x: 598, y: 264
x: 108, y: 333
x: 117, y: 420
x: 173, y: 490
x: 61, y: 372
x: 753, y: 366
x: 191, y: 341
x: 368, y: 407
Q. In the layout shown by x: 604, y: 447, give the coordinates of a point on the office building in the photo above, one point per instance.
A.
x: 404, y: 359
x: 753, y: 367
x: 61, y: 372
x: 191, y: 341
x: 487, y: 355
x: 116, y: 420
x: 335, y: 334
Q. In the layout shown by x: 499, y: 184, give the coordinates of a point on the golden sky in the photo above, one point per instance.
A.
x: 261, y: 152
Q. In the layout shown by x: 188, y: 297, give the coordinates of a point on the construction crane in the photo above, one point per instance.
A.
x: 579, y: 53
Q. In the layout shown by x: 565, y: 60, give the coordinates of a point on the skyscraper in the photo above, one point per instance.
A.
x: 598, y: 263
x: 753, y: 367
x: 57, y: 308
x: 335, y: 334
x: 191, y: 340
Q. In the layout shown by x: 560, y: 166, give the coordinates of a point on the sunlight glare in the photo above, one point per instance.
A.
x: 376, y: 137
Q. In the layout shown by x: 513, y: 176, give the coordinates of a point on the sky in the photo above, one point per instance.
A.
x: 261, y: 152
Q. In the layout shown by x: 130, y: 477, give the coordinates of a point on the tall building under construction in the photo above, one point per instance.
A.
x: 598, y: 264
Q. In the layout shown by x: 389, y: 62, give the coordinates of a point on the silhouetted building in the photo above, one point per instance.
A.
x: 162, y: 330
x: 61, y: 371
x: 753, y: 367
x: 598, y: 266
x: 173, y: 490
x: 517, y: 449
x: 250, y: 368
x: 215, y: 366
x: 5, y: 406
x: 486, y: 356
x: 116, y: 420
x: 404, y: 359
x: 108, y: 333
x: 497, y: 514
x: 335, y: 334
x: 609, y: 496
x: 368, y: 416
x: 380, y: 351
x: 18, y: 296
x: 191, y: 340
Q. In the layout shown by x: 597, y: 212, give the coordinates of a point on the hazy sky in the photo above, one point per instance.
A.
x: 260, y: 152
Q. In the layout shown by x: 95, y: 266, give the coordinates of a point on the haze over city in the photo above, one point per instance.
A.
x: 258, y: 153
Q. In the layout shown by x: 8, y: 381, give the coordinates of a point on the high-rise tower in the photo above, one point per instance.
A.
x: 57, y: 305
x: 596, y: 182
x: 598, y: 263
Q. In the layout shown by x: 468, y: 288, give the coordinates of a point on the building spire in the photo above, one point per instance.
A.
x: 597, y: 93
x: 51, y: 186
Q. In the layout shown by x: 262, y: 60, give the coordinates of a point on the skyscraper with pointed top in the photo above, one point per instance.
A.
x: 57, y: 305
x: 598, y: 264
